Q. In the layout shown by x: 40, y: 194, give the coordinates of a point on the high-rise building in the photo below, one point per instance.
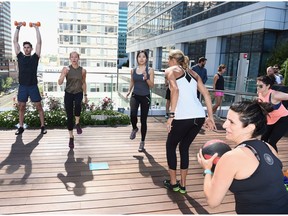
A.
x: 5, y: 36
x: 122, y: 34
x: 90, y: 28
x: 241, y: 35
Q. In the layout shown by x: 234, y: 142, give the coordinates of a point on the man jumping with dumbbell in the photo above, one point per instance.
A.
x: 27, y: 66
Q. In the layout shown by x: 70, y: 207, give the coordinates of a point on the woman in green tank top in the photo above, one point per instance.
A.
x: 75, y: 88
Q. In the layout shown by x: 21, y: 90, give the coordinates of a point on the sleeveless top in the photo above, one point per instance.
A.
x: 140, y: 86
x: 264, y: 191
x: 74, y: 80
x: 188, y: 105
x: 28, y: 69
x: 279, y: 109
x: 220, y: 83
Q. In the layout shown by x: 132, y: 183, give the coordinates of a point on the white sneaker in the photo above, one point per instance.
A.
x: 141, y: 146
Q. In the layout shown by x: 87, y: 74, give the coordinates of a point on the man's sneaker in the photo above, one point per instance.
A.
x: 19, y: 131
x: 71, y: 143
x: 133, y: 133
x: 78, y: 128
x: 168, y: 185
x: 141, y: 146
x: 43, y: 130
x: 182, y: 190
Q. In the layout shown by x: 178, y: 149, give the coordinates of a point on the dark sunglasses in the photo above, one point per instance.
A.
x: 259, y: 86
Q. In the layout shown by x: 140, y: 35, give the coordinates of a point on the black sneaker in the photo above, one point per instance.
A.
x: 141, y: 146
x: 71, y: 143
x: 78, y: 128
x: 133, y: 133
x: 182, y: 190
x: 19, y: 131
x: 168, y: 185
x: 43, y: 130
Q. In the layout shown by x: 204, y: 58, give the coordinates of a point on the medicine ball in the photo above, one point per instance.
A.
x: 214, y: 146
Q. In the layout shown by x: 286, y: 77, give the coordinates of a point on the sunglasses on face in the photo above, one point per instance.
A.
x: 259, y: 85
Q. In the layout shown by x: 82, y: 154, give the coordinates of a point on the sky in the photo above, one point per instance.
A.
x: 33, y: 11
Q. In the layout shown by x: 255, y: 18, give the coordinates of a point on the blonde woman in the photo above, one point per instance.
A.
x: 186, y: 116
x: 75, y: 88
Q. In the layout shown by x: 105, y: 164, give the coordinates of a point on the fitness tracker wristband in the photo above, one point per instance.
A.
x: 171, y: 115
x: 18, y: 27
x: 85, y: 95
x: 207, y: 171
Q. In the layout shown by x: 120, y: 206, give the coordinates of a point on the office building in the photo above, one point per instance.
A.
x: 241, y: 35
x: 5, y: 37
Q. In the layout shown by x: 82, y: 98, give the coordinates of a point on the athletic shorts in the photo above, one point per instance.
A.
x: 28, y: 91
x: 219, y: 94
x: 167, y: 96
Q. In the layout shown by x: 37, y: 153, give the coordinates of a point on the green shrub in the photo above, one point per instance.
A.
x: 56, y: 116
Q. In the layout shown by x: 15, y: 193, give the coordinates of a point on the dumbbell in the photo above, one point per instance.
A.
x: 36, y: 24
x: 19, y: 23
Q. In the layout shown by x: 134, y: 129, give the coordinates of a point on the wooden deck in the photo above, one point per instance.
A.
x: 39, y: 175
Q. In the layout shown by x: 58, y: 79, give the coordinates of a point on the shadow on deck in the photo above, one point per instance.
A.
x: 38, y: 174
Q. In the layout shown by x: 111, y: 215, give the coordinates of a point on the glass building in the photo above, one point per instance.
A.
x: 5, y: 36
x: 224, y: 32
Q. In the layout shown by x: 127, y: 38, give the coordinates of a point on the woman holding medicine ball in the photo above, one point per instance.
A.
x: 252, y: 170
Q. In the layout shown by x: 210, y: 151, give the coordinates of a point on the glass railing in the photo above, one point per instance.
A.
x: 116, y: 85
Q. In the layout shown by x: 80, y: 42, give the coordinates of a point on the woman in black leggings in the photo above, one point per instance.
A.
x: 75, y: 87
x: 142, y: 79
x: 186, y: 116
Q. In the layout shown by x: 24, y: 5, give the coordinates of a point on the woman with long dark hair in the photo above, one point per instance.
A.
x: 142, y: 79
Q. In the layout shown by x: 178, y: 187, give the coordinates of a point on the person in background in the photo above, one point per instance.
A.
x: 186, y: 116
x: 270, y: 71
x: 218, y: 86
x: 252, y: 170
x: 201, y: 71
x: 28, y: 64
x: 142, y: 79
x: 75, y: 88
x: 277, y: 73
x: 278, y: 119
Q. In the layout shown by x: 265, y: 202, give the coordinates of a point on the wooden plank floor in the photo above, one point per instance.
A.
x: 39, y: 175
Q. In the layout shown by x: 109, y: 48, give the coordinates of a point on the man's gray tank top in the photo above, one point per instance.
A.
x: 74, y: 80
x: 140, y: 86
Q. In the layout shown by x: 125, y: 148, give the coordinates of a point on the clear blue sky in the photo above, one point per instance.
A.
x: 34, y: 11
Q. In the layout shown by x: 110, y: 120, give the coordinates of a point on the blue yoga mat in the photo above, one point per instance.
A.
x: 98, y: 166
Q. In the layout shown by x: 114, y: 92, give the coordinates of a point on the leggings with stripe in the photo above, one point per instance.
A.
x: 275, y: 132
x: 71, y: 101
x: 144, y: 102
x: 183, y: 132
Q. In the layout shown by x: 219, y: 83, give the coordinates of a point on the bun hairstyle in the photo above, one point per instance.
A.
x: 221, y: 67
x: 253, y: 112
x: 267, y: 79
x: 179, y: 56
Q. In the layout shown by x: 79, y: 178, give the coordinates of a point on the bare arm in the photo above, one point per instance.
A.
x: 39, y: 41
x: 150, y: 81
x: 131, y: 83
x: 15, y: 40
x: 84, y: 84
x: 278, y: 96
x: 64, y: 73
x: 216, y: 186
x: 204, y: 91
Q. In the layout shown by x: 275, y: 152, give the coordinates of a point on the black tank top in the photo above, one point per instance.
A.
x: 220, y: 83
x: 264, y: 191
